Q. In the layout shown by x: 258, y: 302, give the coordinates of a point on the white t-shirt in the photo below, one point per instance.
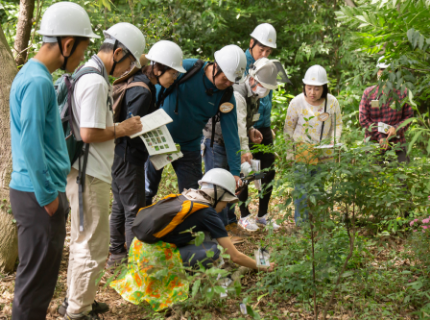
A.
x: 91, y: 110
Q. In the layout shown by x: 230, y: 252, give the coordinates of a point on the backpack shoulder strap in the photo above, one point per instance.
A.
x: 190, y: 73
x: 137, y: 84
x: 83, y: 71
x: 228, y: 93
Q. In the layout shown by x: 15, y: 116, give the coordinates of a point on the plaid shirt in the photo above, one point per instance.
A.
x: 371, y: 116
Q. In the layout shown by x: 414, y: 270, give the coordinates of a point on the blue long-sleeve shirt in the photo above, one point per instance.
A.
x: 265, y: 108
x: 195, y: 108
x: 39, y: 152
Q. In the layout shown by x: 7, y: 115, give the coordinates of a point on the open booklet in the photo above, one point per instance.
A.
x: 153, y: 121
x: 161, y: 160
x: 329, y: 146
x: 157, y: 139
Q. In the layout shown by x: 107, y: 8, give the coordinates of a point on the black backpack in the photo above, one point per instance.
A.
x: 191, y: 73
x: 154, y: 222
x: 64, y: 88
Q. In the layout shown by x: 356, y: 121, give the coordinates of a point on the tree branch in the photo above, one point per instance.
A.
x: 351, y: 251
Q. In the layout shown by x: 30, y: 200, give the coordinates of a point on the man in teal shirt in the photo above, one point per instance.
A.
x: 40, y: 158
x: 198, y: 100
x: 262, y: 43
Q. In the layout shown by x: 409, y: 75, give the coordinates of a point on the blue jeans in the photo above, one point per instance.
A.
x: 301, y: 213
x: 188, y: 170
x: 216, y: 157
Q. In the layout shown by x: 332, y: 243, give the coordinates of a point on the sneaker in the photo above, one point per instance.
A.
x: 116, y: 259
x: 90, y: 316
x: 248, y: 224
x: 264, y: 221
x: 98, y: 307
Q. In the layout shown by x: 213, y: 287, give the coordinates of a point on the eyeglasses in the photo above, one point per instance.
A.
x: 174, y: 75
x: 133, y: 64
x: 381, y: 69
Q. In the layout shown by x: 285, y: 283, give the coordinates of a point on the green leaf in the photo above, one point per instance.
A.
x: 200, y: 237
x: 238, y: 286
x: 210, y: 293
x: 196, y: 287
x: 100, y: 276
x: 347, y: 274
x: 252, y: 313
x: 219, y: 289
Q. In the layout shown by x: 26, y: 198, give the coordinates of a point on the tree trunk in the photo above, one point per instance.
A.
x: 8, y: 234
x: 23, y: 30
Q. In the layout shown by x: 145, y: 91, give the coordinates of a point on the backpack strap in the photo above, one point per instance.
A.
x: 216, y: 118
x: 141, y: 84
x: 325, y: 110
x: 80, y: 180
x: 164, y: 93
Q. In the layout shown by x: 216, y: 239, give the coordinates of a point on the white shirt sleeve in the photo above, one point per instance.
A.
x: 91, y: 94
x: 241, y: 121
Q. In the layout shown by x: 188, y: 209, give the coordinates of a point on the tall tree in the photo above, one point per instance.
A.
x: 23, y: 30
x: 8, y: 233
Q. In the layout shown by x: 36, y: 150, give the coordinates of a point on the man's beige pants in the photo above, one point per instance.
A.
x: 88, y: 249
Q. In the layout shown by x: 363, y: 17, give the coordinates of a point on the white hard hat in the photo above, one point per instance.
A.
x: 66, y: 19
x: 167, y: 53
x: 382, y: 65
x: 265, y: 33
x: 220, y: 178
x: 130, y: 36
x: 315, y: 76
x: 232, y: 61
x: 269, y: 73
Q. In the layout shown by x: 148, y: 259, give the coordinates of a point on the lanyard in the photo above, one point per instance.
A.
x: 325, y: 111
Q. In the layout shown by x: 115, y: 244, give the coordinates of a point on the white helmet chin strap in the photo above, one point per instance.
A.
x: 216, y: 196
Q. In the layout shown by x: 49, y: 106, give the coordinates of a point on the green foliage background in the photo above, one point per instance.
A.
x: 347, y: 41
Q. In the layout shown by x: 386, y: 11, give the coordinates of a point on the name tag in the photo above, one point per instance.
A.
x: 256, y: 117
x: 323, y: 116
x: 374, y: 104
x: 226, y: 107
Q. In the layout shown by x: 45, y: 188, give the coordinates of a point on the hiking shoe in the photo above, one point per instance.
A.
x: 115, y: 259
x: 248, y: 224
x: 265, y: 221
x: 90, y: 316
x: 98, y: 307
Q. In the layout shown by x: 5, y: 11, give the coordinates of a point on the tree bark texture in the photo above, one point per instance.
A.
x: 8, y: 231
x: 23, y: 30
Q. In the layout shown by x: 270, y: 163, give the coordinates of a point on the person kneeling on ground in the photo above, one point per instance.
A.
x: 168, y: 246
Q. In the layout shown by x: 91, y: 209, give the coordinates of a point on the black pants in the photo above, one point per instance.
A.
x: 192, y: 254
x: 128, y: 188
x: 40, y: 247
x: 267, y: 161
